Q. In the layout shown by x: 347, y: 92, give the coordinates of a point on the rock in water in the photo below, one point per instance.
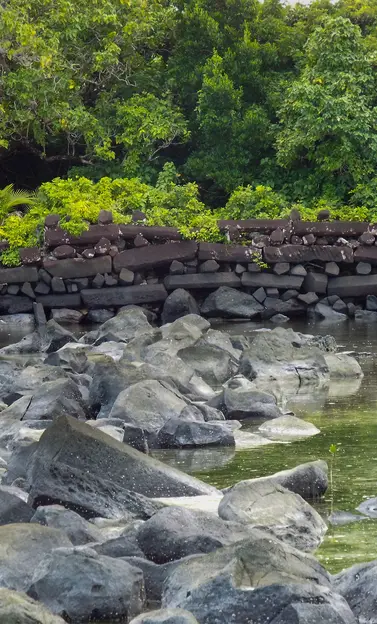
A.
x: 358, y: 585
x: 17, y: 608
x: 179, y: 303
x: 122, y: 328
x: 78, y: 530
x: 83, y: 586
x: 268, y: 505
x: 228, y: 302
x: 178, y: 433
x: 22, y: 548
x: 176, y: 532
x: 308, y: 480
x: 166, y: 616
x: 288, y: 427
x: 95, y: 474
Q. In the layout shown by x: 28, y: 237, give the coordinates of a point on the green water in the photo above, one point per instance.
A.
x: 346, y: 415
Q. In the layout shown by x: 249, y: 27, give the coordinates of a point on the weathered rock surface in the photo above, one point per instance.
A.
x: 18, y: 608
x: 179, y: 303
x: 78, y: 530
x: 96, y: 475
x: 268, y: 505
x: 288, y: 427
x: 228, y: 302
x: 124, y: 326
x: 358, y: 585
x: 13, y: 509
x: 176, y: 532
x: 82, y: 586
x: 22, y: 548
x: 241, y: 400
x: 177, y: 433
x: 166, y: 616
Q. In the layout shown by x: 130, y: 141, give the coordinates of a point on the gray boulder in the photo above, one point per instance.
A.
x: 228, y: 302
x: 72, y: 357
x: 18, y: 462
x: 307, y: 613
x: 166, y: 616
x: 288, y: 427
x: 56, y: 398
x: 176, y: 532
x: 214, y: 364
x: 13, y: 509
x: 121, y: 546
x: 325, y: 313
x: 98, y: 476
x: 368, y: 507
x: 358, y: 585
x: 66, y: 315
x: 54, y: 337
x: 148, y: 404
x: 177, y: 433
x: 342, y: 366
x: 18, y: 608
x: 241, y: 400
x: 82, y: 586
x: 77, y: 529
x: 268, y: 505
x: 309, y: 480
x: 22, y: 548
x: 179, y: 303
x: 124, y: 326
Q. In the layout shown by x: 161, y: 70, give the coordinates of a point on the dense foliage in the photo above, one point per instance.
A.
x: 190, y: 109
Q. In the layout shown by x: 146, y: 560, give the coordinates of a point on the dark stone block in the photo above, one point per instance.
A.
x: 366, y: 254
x: 126, y: 277
x: 260, y: 294
x: 280, y: 268
x: 332, y: 269
x: 253, y: 267
x: 81, y: 282
x: 240, y: 269
x: 121, y: 296
x: 309, y: 239
x: 298, y: 269
x: 272, y: 292
x: 260, y: 241
x: 44, y: 276
x: 64, y: 251
x: 340, y: 306
x: 52, y: 221
x: 140, y: 241
x: 315, y: 282
x: 367, y: 239
x: 102, y: 248
x: 288, y: 294
x: 10, y: 304
x: 178, y: 304
x: 138, y: 215
x: 110, y: 281
x: 13, y: 289
x: 296, y: 240
x: 42, y: 288
x: 105, y: 217
x: 226, y: 253
x: 151, y: 233
x: 331, y: 300
x: 351, y: 309
x: 297, y: 254
x: 335, y: 228
x: 30, y: 255
x: 209, y: 266
x: 72, y: 288
x: 177, y: 268
x: 308, y: 298
x: 60, y: 301
x: 113, y: 251
x: 202, y: 280
x: 57, y: 285
x: 39, y: 314
x: 88, y: 254
x: 277, y: 237
x: 363, y: 268
x: 323, y: 215
x: 353, y: 286
x: 371, y: 303
x: 28, y: 290
x: 268, y: 280
x: 252, y: 225
x: 290, y: 308
x: 53, y: 238
x: 154, y: 256
x: 18, y: 275
x: 98, y: 281
x: 322, y: 240
x: 78, y: 267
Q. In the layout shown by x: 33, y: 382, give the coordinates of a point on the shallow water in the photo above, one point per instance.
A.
x: 346, y: 414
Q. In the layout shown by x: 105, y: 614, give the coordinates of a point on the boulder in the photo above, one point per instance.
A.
x: 178, y: 433
x: 324, y: 312
x: 124, y: 326
x: 366, y: 316
x: 65, y: 315
x: 288, y: 427
x: 228, y: 302
x: 99, y: 316
x: 121, y: 546
x: 368, y: 507
x: 259, y: 576
x: 148, y: 404
x: 77, y: 529
x: 13, y: 509
x: 179, y: 303
x: 284, y: 513
x: 304, y: 613
x: 214, y: 364
x: 98, y: 476
x: 240, y: 400
x: 82, y: 586
x: 22, y: 548
x: 56, y: 398
x: 166, y: 616
x: 342, y: 366
x: 176, y: 532
x: 308, y: 480
x: 18, y: 608
x: 358, y: 585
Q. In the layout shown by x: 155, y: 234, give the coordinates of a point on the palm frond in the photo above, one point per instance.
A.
x: 11, y: 198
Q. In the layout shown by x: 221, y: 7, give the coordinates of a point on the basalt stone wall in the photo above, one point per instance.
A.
x: 111, y: 265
